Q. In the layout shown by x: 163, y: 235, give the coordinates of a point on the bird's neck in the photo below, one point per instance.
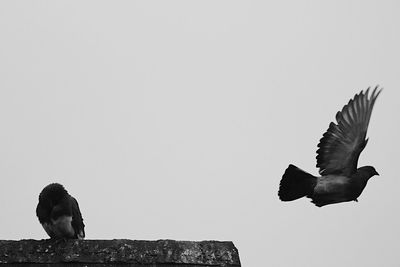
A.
x: 361, y: 177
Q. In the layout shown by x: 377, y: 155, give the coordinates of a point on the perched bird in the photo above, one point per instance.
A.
x: 337, y: 157
x: 59, y: 213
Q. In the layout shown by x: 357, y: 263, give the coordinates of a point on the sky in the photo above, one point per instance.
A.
x: 177, y: 119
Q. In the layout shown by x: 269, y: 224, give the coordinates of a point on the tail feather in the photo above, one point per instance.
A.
x: 295, y: 184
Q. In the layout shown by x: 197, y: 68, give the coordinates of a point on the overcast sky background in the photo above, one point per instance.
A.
x: 177, y: 119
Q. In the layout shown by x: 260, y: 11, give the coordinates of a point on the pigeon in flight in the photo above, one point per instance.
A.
x: 59, y: 213
x: 337, y: 156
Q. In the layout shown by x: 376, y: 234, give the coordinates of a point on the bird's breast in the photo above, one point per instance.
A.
x: 62, y: 227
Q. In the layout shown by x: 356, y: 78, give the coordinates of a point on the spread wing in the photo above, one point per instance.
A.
x: 77, y: 221
x: 342, y: 143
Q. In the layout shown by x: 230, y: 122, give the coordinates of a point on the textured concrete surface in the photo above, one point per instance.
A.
x: 118, y: 252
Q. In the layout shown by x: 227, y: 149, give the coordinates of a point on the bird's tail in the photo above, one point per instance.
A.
x: 295, y: 184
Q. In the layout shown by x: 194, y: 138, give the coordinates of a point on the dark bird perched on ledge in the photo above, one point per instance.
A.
x: 337, y: 157
x: 59, y: 213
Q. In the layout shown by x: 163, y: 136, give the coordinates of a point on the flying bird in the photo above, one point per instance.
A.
x: 337, y: 157
x: 59, y: 213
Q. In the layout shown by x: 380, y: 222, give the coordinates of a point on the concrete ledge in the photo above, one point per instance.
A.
x: 118, y: 252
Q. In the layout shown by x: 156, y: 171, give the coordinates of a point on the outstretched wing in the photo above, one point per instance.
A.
x: 342, y: 143
x: 77, y: 221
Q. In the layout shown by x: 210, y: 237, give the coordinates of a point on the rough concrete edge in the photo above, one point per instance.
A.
x: 163, y: 251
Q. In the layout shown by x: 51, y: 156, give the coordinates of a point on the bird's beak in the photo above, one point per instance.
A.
x: 376, y: 173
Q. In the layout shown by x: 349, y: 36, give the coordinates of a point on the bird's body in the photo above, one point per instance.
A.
x: 332, y: 189
x: 338, y: 153
x: 59, y: 213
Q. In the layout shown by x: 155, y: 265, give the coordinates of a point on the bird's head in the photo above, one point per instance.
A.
x: 368, y: 171
x: 52, y: 194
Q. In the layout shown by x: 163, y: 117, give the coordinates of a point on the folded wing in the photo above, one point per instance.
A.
x: 77, y: 220
x: 341, y: 145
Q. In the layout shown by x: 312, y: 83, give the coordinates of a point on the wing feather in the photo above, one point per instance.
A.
x: 341, y: 145
x: 77, y: 220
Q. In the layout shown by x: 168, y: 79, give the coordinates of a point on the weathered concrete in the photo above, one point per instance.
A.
x: 118, y: 252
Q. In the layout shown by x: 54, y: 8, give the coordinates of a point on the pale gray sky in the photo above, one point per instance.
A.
x: 177, y: 119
